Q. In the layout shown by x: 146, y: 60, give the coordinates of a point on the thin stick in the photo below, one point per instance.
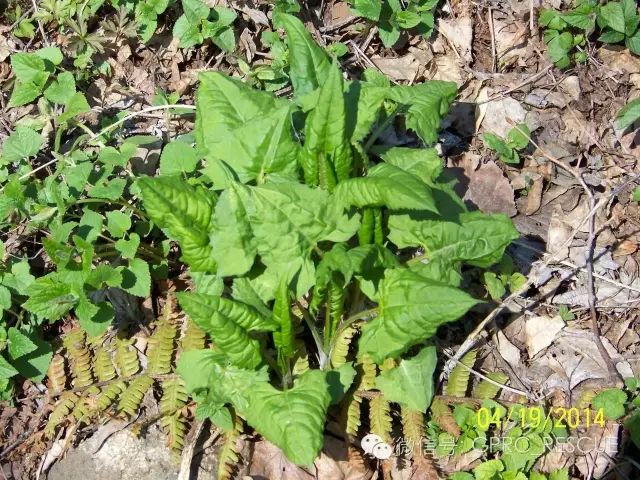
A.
x: 44, y: 36
x: 494, y: 53
x: 188, y: 451
x: 529, y: 80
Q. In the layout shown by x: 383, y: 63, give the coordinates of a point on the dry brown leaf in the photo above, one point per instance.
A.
x: 490, y: 190
x: 459, y: 32
x: 540, y: 332
x: 497, y: 113
x: 399, y: 68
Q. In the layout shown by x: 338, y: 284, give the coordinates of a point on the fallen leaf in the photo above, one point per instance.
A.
x: 490, y: 190
x: 399, y: 68
x: 497, y: 113
x: 459, y: 32
x: 540, y: 332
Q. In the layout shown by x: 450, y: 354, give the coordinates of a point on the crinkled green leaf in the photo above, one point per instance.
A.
x: 426, y: 103
x: 308, y: 63
x: 612, y: 15
x: 411, y: 382
x: 612, y: 402
x: 76, y: 105
x: 178, y: 157
x: 411, y: 309
x: 424, y: 163
x: 369, y: 9
x: 387, y: 186
x: 186, y: 212
x: 49, y: 298
x: 228, y: 322
x: 292, y: 419
x: 23, y: 93
x: 326, y: 156
x: 478, y: 239
x: 19, y: 343
x: 22, y: 143
x: 62, y: 89
x: 34, y: 364
x: 628, y: 114
x: 27, y: 66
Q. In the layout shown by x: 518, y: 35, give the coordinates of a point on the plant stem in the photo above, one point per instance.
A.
x: 322, y: 355
x: 122, y: 203
x: 380, y: 129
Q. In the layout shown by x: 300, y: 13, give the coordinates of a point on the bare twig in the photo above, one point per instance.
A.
x: 188, y: 451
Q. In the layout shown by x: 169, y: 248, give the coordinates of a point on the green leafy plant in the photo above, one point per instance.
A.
x: 507, y: 149
x: 393, y: 16
x: 313, y: 232
x: 629, y: 114
x: 199, y: 22
x: 567, y: 33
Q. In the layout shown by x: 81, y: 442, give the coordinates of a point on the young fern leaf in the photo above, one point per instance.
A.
x: 102, y: 365
x: 487, y: 390
x: 340, y: 350
x: 458, y: 381
x: 354, y: 414
x: 109, y: 395
x: 335, y: 309
x: 369, y: 373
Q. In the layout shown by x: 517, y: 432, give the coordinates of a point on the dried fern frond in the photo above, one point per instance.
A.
x: 441, y: 414
x: 60, y: 413
x: 131, y: 398
x: 341, y: 346
x: 228, y: 456
x: 193, y: 337
x: 413, y: 429
x: 458, y: 380
x: 380, y: 417
x: 126, y: 358
x: 56, y: 376
x: 488, y: 390
x: 173, y: 421
x: 79, y: 357
x: 161, y: 348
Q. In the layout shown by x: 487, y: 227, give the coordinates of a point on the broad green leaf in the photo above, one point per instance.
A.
x: 308, y: 63
x: 424, y: 163
x: 186, y: 212
x: 50, y: 54
x: 369, y: 9
x: 34, y: 364
x: 23, y: 93
x: 62, y: 89
x: 487, y: 470
x: 228, y: 322
x: 411, y: 382
x: 406, y: 19
x: 189, y: 34
x: 411, y: 309
x: 136, y: 278
x: 28, y: 67
x: 387, y: 186
x: 195, y: 10
x: 288, y: 221
x: 633, y: 43
x: 6, y: 369
x: 118, y: 223
x: 611, y: 36
x: 518, y: 136
x: 326, y: 156
x: 340, y: 380
x: 283, y: 337
x: 292, y: 419
x: 232, y: 242
x: 49, y: 298
x: 612, y: 15
x: 196, y: 367
x: 128, y: 248
x: 478, y: 239
x: 628, y: 114
x: 178, y: 157
x: 76, y: 105
x: 497, y: 144
x: 368, y: 99
x: 94, y: 319
x: 560, y: 474
x: 426, y: 103
x: 19, y: 343
x: 612, y: 402
x: 22, y: 143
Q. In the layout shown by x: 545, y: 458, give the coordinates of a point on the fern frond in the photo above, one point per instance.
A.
x: 487, y: 390
x: 458, y: 380
x: 83, y: 409
x: 193, y: 337
x: 341, y: 346
x: 161, y: 347
x: 380, y: 417
x: 301, y: 364
x: 228, y: 456
x: 132, y: 397
x: 369, y: 372
x: 412, y: 428
x: 354, y: 414
x: 79, y: 356
x: 173, y: 421
x: 102, y: 365
x: 126, y: 358
x: 335, y: 308
x: 442, y: 416
x: 60, y: 413
x: 109, y: 395
x: 56, y: 376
